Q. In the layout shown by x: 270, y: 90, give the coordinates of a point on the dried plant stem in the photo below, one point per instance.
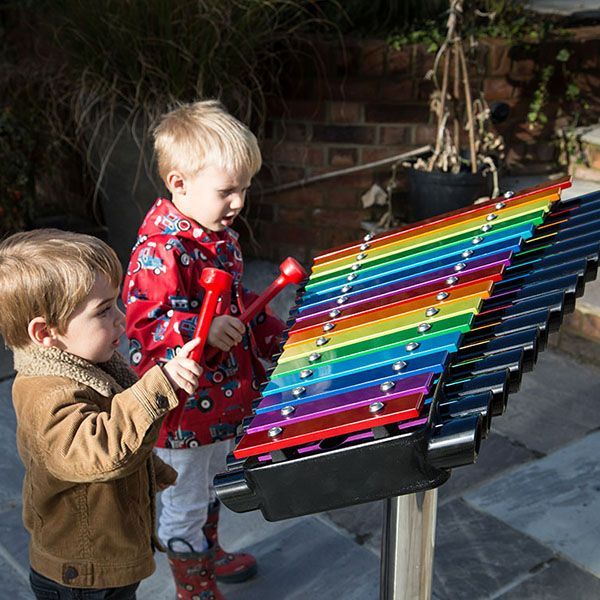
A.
x: 469, y: 102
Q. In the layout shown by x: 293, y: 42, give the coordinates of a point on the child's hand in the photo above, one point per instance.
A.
x: 181, y: 371
x: 225, y: 332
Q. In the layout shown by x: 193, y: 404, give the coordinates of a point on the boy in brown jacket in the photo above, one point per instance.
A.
x: 85, y: 425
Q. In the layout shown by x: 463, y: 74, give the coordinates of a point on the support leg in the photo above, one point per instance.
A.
x: 407, y: 546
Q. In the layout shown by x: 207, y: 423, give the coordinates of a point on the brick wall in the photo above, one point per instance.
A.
x: 369, y: 102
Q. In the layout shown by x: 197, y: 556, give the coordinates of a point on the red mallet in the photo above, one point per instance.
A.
x: 214, y: 282
x: 291, y: 272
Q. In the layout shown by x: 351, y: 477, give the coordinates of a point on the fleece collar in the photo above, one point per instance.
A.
x: 106, y: 378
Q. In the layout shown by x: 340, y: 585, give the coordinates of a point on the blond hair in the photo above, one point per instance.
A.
x: 48, y: 273
x: 195, y: 135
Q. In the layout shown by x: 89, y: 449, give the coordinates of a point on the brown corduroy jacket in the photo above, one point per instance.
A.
x: 85, y: 434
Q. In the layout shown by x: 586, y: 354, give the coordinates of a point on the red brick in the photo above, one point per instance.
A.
x: 523, y: 70
x: 298, y: 109
x: 397, y: 91
x: 372, y: 57
x: 400, y: 61
x: 345, y: 112
x: 347, y: 59
x: 344, y: 219
x: 293, y: 131
x: 307, y: 196
x: 299, y: 154
x: 363, y: 89
x: 425, y: 134
x: 361, y: 179
x: 499, y: 89
x: 395, y: 135
x: 345, y: 134
x: 277, y: 174
x: 292, y: 214
x: 499, y: 61
x: 332, y: 237
x: 375, y: 153
x: 423, y: 60
x: 291, y: 233
x: 343, y: 157
x: 397, y: 113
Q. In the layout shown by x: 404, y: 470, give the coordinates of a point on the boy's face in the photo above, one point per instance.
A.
x: 213, y: 197
x: 94, y: 329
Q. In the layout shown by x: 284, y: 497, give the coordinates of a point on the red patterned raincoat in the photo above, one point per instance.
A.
x: 162, y: 296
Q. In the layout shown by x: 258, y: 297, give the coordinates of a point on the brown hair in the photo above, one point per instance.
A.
x: 48, y: 273
x: 198, y: 134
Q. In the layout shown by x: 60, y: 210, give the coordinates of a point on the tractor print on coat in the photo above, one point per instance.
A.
x: 163, y: 296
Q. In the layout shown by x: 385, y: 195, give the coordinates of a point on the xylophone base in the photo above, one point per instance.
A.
x: 407, y: 546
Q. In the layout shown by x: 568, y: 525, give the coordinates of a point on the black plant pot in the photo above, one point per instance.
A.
x: 437, y: 192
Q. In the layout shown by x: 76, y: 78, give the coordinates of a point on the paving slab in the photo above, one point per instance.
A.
x: 6, y: 361
x: 298, y: 559
x: 14, y: 562
x: 556, y: 580
x: 11, y: 468
x: 555, y: 500
x: 558, y: 402
x: 497, y: 454
x: 476, y: 554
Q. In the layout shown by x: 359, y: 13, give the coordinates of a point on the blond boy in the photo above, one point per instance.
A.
x: 207, y: 159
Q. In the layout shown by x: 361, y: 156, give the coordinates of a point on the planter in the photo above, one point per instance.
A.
x: 437, y: 192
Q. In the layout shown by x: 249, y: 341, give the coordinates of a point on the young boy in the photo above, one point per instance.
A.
x: 85, y: 425
x: 207, y: 159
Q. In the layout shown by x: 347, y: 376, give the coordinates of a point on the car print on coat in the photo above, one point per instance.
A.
x: 158, y: 333
x: 229, y: 387
x: 200, y: 400
x: 184, y: 258
x: 182, y: 439
x: 148, y: 262
x: 171, y: 224
x: 135, y: 352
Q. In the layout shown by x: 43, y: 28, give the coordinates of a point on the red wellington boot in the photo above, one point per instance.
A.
x: 229, y: 567
x: 194, y: 573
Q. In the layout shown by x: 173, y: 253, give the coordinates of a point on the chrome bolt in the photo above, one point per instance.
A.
x: 335, y: 313
x: 352, y: 277
x: 376, y: 407
x: 368, y: 237
x: 364, y: 246
x: 477, y: 240
x: 328, y: 326
x: 361, y: 256
x: 430, y: 312
x: 342, y: 299
x: 297, y: 392
x: 452, y: 280
x: 322, y: 341
x: 467, y: 253
x: 423, y: 327
x: 314, y: 357
x: 509, y: 194
x: 491, y: 217
x: 442, y: 296
x: 356, y: 266
x: 412, y: 346
x: 275, y: 431
x: 287, y: 410
x: 460, y: 266
x: 345, y: 289
x: 305, y: 373
x: 386, y: 386
x: 485, y: 228
x: 399, y: 365
x: 499, y: 206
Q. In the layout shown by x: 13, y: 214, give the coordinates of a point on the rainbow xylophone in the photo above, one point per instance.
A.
x: 402, y: 347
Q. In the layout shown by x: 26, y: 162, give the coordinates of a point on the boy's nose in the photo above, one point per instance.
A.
x: 237, y: 202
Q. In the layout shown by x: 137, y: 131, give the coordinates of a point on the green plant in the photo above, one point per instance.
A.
x: 16, y: 174
x: 107, y: 66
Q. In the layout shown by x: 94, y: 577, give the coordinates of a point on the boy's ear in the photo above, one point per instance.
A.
x: 40, y: 333
x: 175, y: 182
